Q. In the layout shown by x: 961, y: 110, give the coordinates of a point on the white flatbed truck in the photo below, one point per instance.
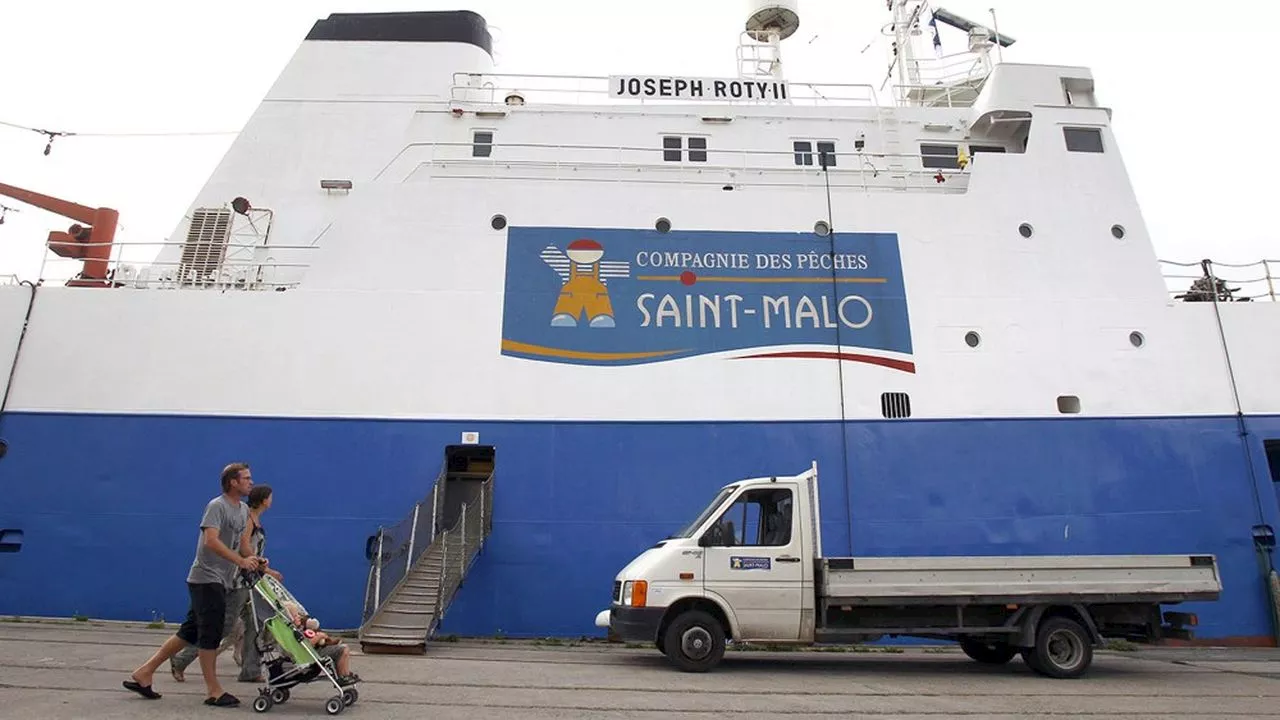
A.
x: 750, y: 569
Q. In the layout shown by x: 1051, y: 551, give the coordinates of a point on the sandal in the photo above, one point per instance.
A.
x: 143, y: 690
x: 226, y: 700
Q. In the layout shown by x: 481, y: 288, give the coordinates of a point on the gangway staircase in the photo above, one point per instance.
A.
x: 417, y: 566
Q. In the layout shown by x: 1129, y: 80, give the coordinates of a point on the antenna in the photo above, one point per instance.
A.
x: 769, y: 22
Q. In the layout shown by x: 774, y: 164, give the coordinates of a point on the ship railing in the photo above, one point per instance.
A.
x: 1234, y: 282
x: 942, y: 95
x: 954, y: 81
x: 723, y: 167
x: 962, y: 67
x: 180, y: 265
x: 505, y: 88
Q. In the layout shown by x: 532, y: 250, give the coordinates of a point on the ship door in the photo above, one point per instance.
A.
x: 466, y: 468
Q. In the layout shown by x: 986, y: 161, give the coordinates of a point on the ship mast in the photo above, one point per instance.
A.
x: 906, y: 25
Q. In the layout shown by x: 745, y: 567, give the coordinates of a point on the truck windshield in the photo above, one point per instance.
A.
x: 692, y: 527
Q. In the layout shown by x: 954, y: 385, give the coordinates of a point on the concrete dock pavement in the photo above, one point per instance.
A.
x: 74, y: 670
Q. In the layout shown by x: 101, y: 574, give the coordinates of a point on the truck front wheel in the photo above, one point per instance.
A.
x: 694, y: 641
x: 1063, y: 649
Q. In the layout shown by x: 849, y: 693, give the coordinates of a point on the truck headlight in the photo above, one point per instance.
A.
x: 635, y: 593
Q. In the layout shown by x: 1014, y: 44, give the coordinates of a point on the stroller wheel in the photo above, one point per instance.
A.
x: 334, y: 706
x: 350, y: 696
x: 280, y: 696
x: 262, y: 703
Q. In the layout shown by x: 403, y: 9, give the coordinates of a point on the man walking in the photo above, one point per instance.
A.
x: 218, y: 559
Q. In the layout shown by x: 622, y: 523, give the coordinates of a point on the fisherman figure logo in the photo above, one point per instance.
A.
x: 583, y: 276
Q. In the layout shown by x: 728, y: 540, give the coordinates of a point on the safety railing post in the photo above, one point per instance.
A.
x: 413, y: 532
x: 444, y: 566
x: 377, y: 574
x: 435, y: 489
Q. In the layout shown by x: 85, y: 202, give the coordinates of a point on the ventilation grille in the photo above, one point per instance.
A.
x: 895, y: 405
x: 206, y: 245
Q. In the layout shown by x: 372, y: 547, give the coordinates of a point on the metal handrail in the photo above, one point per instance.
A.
x: 387, y: 570
x: 852, y: 169
x: 144, y: 267
x: 469, y: 533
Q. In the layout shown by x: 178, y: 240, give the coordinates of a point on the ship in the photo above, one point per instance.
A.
x: 489, y: 335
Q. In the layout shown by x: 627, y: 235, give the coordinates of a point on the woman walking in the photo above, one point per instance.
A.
x: 255, y: 536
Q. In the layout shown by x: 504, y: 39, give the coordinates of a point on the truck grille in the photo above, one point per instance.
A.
x: 617, y: 591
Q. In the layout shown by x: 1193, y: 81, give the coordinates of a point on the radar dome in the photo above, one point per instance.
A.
x: 767, y: 17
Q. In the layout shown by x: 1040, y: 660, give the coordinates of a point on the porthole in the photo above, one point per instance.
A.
x: 663, y: 225
x: 497, y: 222
x: 1025, y: 230
x: 1136, y: 339
x: 972, y: 339
x: 822, y: 228
x: 1117, y: 232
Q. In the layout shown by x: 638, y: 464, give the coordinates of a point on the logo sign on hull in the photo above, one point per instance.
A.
x: 626, y: 297
x: 670, y: 87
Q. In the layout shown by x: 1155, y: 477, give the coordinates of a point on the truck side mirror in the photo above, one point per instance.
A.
x: 705, y: 540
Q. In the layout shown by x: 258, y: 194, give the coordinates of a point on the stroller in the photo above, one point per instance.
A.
x: 289, y: 659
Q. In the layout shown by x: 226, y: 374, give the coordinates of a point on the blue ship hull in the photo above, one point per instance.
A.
x: 108, y: 505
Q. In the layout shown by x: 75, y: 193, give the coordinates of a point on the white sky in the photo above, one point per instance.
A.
x: 1188, y: 89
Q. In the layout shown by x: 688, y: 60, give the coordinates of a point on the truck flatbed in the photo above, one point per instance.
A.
x: 982, y: 579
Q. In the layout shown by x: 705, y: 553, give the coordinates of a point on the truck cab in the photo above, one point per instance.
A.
x: 744, y: 567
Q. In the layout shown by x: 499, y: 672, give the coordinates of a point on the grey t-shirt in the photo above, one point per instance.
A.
x: 230, y: 520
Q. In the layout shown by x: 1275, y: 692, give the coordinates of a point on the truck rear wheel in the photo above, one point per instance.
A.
x: 1063, y: 649
x: 694, y: 641
x: 988, y: 653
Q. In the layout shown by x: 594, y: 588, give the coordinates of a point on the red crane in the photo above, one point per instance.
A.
x: 90, y: 242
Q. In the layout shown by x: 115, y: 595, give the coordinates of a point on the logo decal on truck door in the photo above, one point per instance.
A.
x: 748, y: 563
x: 617, y: 296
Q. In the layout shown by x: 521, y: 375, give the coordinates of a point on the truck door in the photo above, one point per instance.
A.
x: 753, y: 561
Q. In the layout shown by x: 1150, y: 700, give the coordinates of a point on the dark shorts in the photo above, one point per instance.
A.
x: 204, y: 624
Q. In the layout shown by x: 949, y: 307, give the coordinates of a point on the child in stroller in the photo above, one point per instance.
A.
x: 293, y: 649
